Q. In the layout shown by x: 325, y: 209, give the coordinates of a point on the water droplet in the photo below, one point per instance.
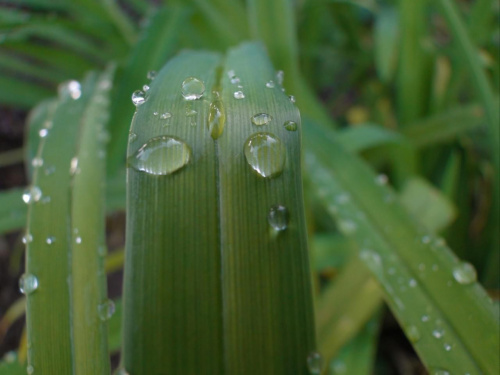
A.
x: 145, y: 88
x: 447, y: 347
x: 413, y: 334
x: 151, y: 75
x: 438, y: 333
x: 412, y: 283
x: 314, y: 363
x: 381, y: 179
x: 465, y: 273
x: 27, y: 238
x: 43, y: 133
x: 28, y: 283
x: 32, y: 194
x: 191, y: 113
x: 78, y: 240
x: 292, y: 98
x: 50, y: 240
x: 235, y: 80
x: 265, y: 153
x: 216, y: 117
x: 370, y: 257
x: 280, y: 76
x: 156, y: 113
x: 132, y: 137
x: 278, y: 217
x: 290, y: 125
x: 270, y: 84
x: 70, y: 90
x: 239, y: 95
x: 437, y: 371
x: 106, y: 310
x: 425, y: 318
x: 426, y: 240
x: 37, y: 162
x: 192, y: 88
x: 73, y: 168
x: 49, y: 170
x: 161, y: 156
x: 347, y: 226
x: 138, y: 97
x: 231, y: 73
x: 166, y: 115
x: 261, y: 119
x: 30, y: 370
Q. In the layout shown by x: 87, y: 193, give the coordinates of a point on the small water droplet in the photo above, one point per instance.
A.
x: 50, y: 240
x: 30, y: 370
x: 231, y: 73
x: 70, y: 90
x: 166, y: 115
x: 138, y: 97
x: 156, y: 113
x: 425, y: 318
x: 73, y: 168
x: 161, y: 156
x: 43, y: 133
x: 192, y: 88
x: 216, y: 117
x: 145, y: 88
x: 270, y: 84
x: 261, y: 119
x: 278, y: 217
x: 151, y: 75
x: 447, y: 347
x: 266, y: 154
x: 465, y: 273
x: 314, y: 363
x: 292, y: 98
x: 280, y: 76
x: 239, y: 95
x: 27, y: 238
x: 37, y: 162
x: 290, y: 125
x: 438, y: 333
x: 106, y: 310
x: 28, y: 283
x: 49, y: 170
x: 381, y: 179
x: 370, y: 257
x: 347, y: 226
x: 413, y: 334
x: 132, y: 137
x: 235, y: 80
x: 426, y: 240
x: 78, y: 240
x: 32, y: 194
x: 412, y: 283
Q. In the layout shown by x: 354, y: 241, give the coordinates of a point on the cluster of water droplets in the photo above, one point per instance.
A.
x: 314, y: 363
x: 139, y: 97
x: 236, y: 81
x: 70, y: 90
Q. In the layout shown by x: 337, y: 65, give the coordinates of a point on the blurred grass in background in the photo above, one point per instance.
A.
x: 410, y: 87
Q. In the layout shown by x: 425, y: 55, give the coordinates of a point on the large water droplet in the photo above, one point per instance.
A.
x: 28, y: 283
x: 32, y: 194
x: 70, y: 90
x: 106, y: 310
x: 138, y: 97
x: 216, y: 118
x: 278, y: 217
x: 192, y: 88
x: 239, y: 95
x: 261, y: 119
x: 265, y: 153
x: 465, y: 273
x: 314, y: 363
x: 161, y: 156
x: 290, y: 125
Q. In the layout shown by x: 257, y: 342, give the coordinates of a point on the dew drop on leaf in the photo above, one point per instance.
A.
x: 278, y: 217
x: 261, y: 119
x: 138, y: 97
x: 465, y: 273
x: 151, y: 75
x: 270, y: 84
x: 161, y: 156
x: 32, y: 194
x: 314, y: 363
x: 28, y: 283
x: 192, y: 88
x: 265, y: 154
x: 291, y: 126
x: 106, y: 310
x: 70, y: 90
x: 132, y: 137
x: 413, y: 334
x: 239, y: 95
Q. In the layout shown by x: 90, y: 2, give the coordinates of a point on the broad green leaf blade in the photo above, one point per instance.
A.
x: 421, y: 277
x: 90, y: 306
x: 361, y: 137
x: 211, y: 234
x: 49, y: 237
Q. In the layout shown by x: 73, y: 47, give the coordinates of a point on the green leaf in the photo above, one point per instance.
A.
x: 211, y: 234
x: 386, y: 43
x: 421, y: 278
x: 362, y: 137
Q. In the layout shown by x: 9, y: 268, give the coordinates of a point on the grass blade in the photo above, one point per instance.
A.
x: 395, y: 248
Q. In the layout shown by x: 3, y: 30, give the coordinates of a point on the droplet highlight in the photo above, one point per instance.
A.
x: 265, y: 154
x: 291, y: 126
x: 161, y: 156
x: 138, y: 97
x: 192, y: 88
x: 465, y: 273
x: 261, y: 119
x: 32, y: 194
x: 239, y: 95
x: 270, y: 84
x: 278, y: 217
x: 70, y: 90
x: 28, y: 283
